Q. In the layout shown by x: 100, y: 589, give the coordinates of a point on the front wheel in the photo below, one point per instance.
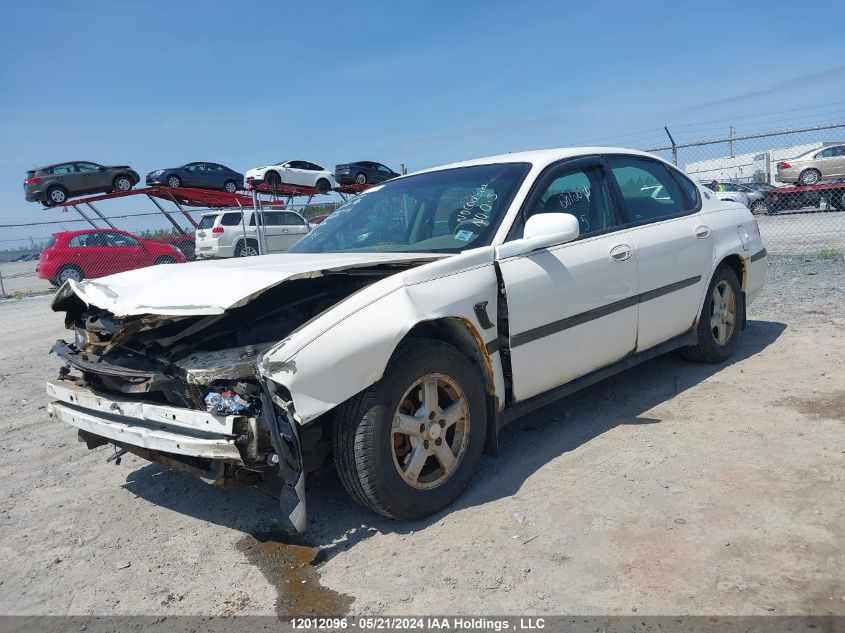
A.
x: 408, y: 446
x: 720, y: 323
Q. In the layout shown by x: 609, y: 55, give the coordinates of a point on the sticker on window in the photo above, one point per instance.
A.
x: 464, y: 236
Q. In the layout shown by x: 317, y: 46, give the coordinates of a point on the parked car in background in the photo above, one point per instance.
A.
x: 184, y: 242
x: 812, y: 167
x: 94, y: 253
x: 363, y: 172
x: 54, y: 184
x: 762, y: 187
x: 234, y: 234
x: 297, y: 173
x: 201, y: 175
x: 410, y: 326
x: 732, y: 192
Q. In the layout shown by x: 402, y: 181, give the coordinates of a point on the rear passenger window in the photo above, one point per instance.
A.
x: 230, y: 219
x: 650, y: 192
x: 689, y: 189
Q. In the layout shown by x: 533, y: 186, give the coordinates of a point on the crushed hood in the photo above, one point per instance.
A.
x: 212, y: 287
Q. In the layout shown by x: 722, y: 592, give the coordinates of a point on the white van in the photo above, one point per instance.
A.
x: 234, y: 234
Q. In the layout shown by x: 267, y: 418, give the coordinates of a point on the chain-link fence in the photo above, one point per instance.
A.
x: 793, y: 180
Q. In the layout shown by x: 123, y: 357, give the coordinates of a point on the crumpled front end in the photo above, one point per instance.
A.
x: 184, y: 389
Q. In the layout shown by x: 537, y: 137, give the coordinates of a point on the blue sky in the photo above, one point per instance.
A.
x: 155, y: 84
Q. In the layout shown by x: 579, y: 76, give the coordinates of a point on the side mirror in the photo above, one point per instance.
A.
x: 541, y: 231
x: 101, y: 168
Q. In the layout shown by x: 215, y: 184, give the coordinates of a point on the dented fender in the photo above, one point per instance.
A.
x: 346, y: 350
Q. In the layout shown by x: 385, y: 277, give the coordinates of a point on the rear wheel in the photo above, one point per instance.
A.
x: 231, y: 186
x: 68, y: 272
x: 122, y: 183
x: 247, y: 249
x: 408, y: 446
x: 810, y: 177
x: 323, y: 186
x: 720, y: 323
x: 165, y: 259
x: 56, y: 195
x: 174, y: 181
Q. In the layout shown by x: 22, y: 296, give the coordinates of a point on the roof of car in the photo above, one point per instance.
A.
x: 543, y: 156
x: 80, y: 231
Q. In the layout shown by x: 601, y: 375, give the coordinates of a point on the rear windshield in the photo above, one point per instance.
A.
x: 206, y: 222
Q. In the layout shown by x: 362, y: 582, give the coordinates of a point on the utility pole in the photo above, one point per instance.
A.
x: 731, y: 140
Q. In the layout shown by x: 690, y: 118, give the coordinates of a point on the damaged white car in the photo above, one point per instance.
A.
x: 411, y: 325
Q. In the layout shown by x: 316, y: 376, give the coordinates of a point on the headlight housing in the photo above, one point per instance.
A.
x: 157, y: 172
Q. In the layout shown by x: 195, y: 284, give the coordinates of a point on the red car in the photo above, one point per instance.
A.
x: 99, y: 252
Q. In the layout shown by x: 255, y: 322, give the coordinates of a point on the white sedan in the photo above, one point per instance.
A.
x: 296, y: 173
x: 412, y: 324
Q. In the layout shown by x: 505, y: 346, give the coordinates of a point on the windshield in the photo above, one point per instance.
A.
x: 444, y: 211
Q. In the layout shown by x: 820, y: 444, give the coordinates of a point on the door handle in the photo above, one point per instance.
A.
x: 702, y: 232
x: 620, y: 253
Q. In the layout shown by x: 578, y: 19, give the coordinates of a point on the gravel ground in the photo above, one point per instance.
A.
x: 674, y: 488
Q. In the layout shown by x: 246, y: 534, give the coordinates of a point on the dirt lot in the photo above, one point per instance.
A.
x: 674, y: 488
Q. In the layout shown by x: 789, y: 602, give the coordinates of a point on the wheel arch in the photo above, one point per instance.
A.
x: 462, y: 334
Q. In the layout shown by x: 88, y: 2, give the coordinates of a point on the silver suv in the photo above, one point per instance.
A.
x: 234, y: 234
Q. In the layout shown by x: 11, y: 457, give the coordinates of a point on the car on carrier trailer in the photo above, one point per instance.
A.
x: 404, y: 331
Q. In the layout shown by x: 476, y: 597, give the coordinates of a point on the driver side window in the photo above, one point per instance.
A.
x: 581, y: 192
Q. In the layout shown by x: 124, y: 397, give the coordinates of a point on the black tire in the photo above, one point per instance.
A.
x: 758, y: 207
x: 272, y: 178
x: 809, y: 177
x: 173, y: 181
x: 247, y: 248
x: 123, y: 183
x: 363, y: 443
x: 323, y: 186
x: 56, y: 195
x: 165, y: 259
x: 361, y: 179
x: 709, y: 349
x: 66, y: 272
x: 231, y: 186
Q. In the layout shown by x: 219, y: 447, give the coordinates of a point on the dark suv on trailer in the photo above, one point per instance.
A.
x: 54, y: 184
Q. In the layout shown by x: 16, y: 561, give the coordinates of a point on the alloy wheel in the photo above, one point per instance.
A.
x: 722, y: 312
x: 430, y: 431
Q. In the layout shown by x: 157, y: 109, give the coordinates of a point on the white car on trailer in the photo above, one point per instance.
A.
x: 295, y: 173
